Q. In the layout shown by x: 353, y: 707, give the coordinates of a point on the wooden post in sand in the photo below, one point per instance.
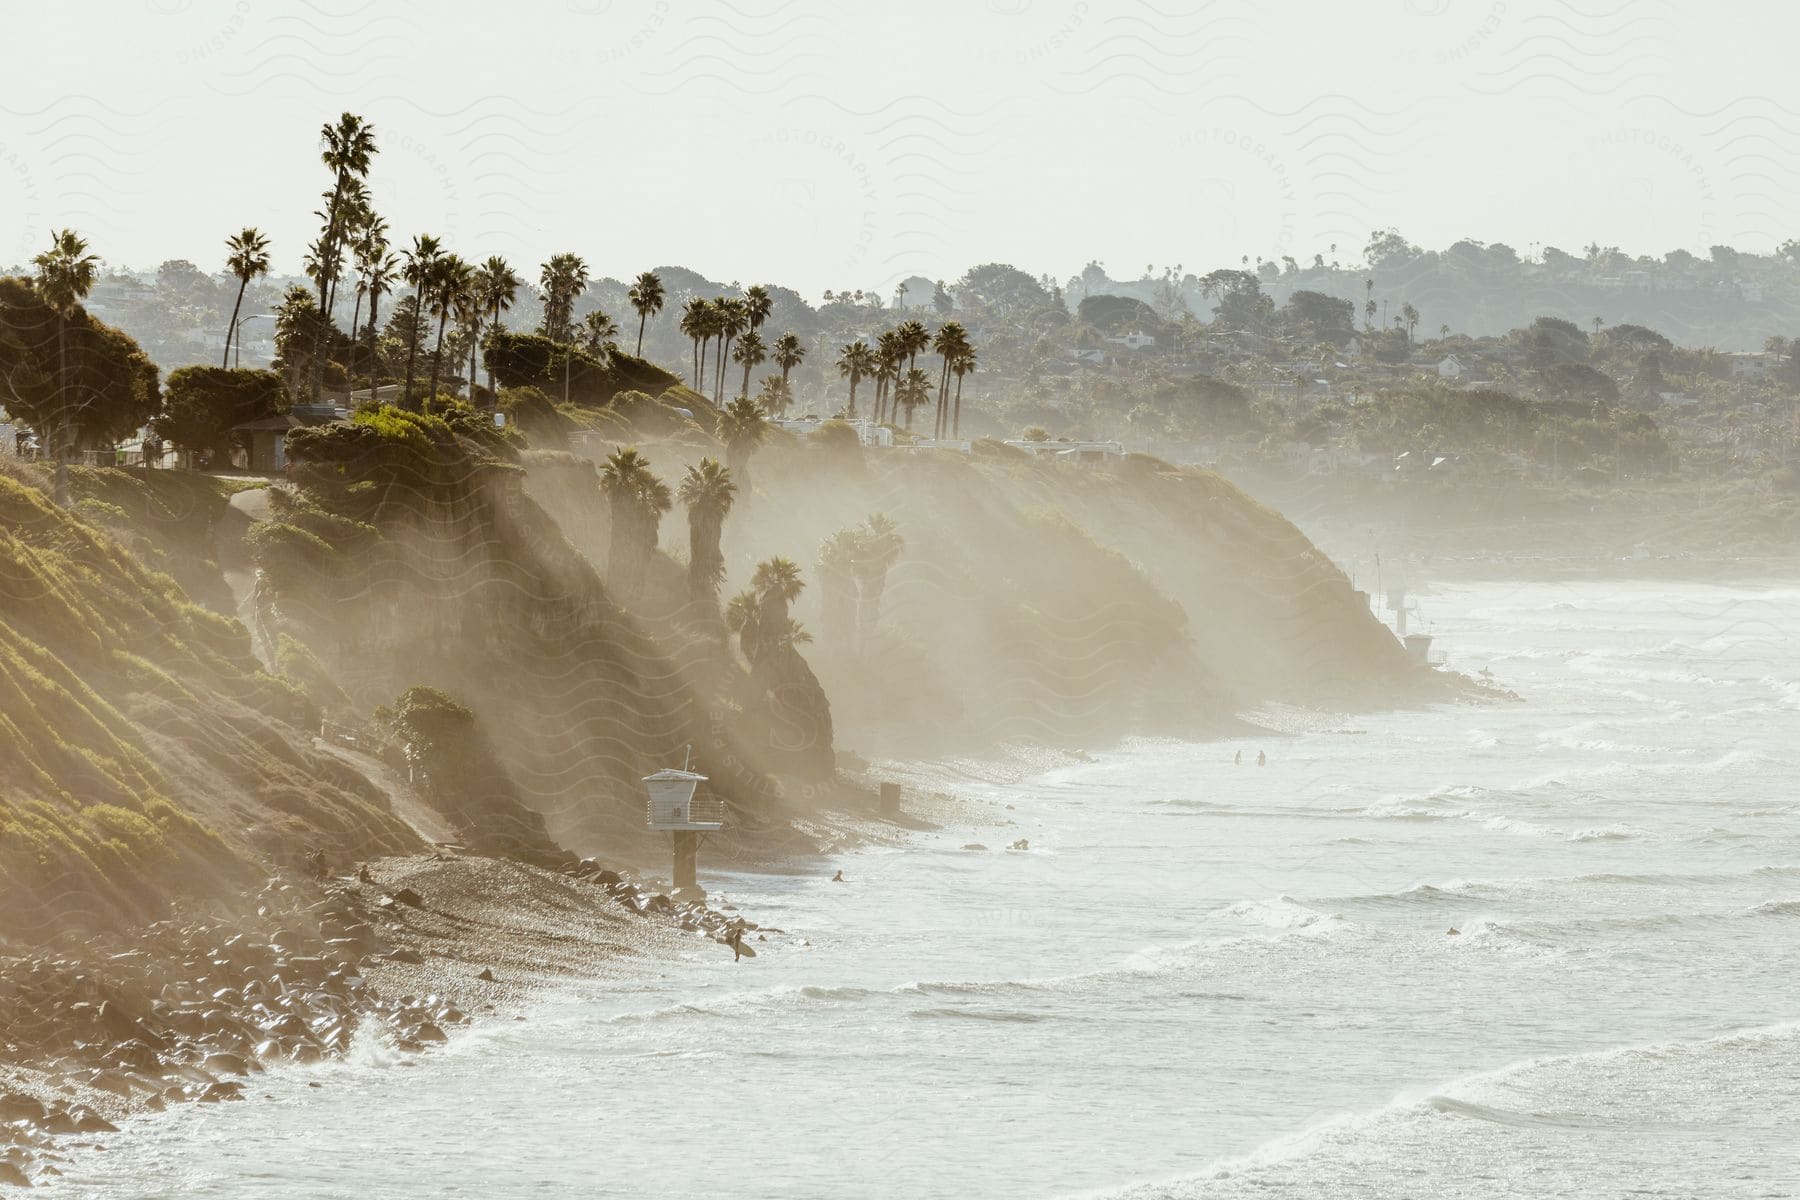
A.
x: 890, y: 799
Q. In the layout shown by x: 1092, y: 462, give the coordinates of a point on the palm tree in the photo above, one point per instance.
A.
x: 788, y: 354
x: 249, y: 259
x: 912, y: 337
x: 65, y: 276
x: 837, y: 584
x: 740, y: 618
x: 773, y: 396
x: 346, y: 148
x: 453, y: 281
x: 889, y: 350
x: 354, y: 210
x: 498, y: 287
x: 470, y: 309
x: 854, y: 362
x: 757, y: 305
x: 1443, y: 332
x: 646, y: 296
x: 1410, y: 315
x: 777, y: 584
x: 638, y: 499
x: 878, y: 550
x: 381, y: 277
x: 561, y: 280
x: 421, y: 271
x: 1369, y: 314
x: 950, y: 341
x: 751, y: 353
x: 694, y: 317
x: 599, y: 333
x: 707, y: 491
x: 912, y: 390
x: 731, y: 317
x: 368, y: 246
x: 961, y: 365
x: 742, y: 427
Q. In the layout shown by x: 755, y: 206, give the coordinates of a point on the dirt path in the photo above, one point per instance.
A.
x: 426, y: 821
x: 246, y: 509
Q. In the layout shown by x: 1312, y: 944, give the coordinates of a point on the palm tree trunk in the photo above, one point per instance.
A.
x: 412, y: 352
x: 700, y: 378
x: 493, y: 324
x: 374, y: 350
x: 643, y: 316
x: 61, y: 488
x: 350, y: 367
x: 437, y: 353
x: 474, y: 342
x: 852, y: 409
x: 944, y: 398
x: 747, y: 365
x: 232, y: 328
x: 957, y: 430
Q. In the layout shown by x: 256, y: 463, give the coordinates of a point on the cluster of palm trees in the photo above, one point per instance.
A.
x: 637, y: 499
x: 460, y: 295
x: 901, y: 385
x: 853, y: 570
x: 732, y: 326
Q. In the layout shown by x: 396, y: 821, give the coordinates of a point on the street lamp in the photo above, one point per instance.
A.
x: 238, y: 360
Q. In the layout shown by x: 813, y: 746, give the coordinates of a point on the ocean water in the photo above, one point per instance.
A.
x: 1202, y: 980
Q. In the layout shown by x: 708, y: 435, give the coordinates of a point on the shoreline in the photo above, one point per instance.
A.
x: 193, y: 1008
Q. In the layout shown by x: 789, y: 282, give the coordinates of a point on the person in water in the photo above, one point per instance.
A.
x: 839, y: 877
x: 1262, y: 760
x: 1237, y: 760
x: 737, y: 943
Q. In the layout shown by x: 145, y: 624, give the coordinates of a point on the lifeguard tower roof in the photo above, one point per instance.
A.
x: 672, y: 773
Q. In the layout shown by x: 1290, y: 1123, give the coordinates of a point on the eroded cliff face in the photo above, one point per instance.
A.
x: 144, y: 753
x: 1060, y: 603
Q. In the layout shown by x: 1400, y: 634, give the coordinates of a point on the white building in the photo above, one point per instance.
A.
x: 1133, y: 340
x: 1451, y: 368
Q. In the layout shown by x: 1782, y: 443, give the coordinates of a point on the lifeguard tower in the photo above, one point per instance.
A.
x: 673, y: 806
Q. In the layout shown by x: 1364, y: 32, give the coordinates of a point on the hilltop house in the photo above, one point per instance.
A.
x: 1081, y: 453
x: 1133, y: 340
x: 1451, y: 367
x: 1752, y: 364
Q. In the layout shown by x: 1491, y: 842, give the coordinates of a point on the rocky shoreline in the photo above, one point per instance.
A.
x: 191, y: 1009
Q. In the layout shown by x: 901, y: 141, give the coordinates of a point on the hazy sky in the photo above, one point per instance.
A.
x: 838, y: 145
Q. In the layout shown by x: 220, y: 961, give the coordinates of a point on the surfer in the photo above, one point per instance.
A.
x: 839, y: 877
x: 1237, y: 759
x: 1262, y: 760
x: 737, y: 943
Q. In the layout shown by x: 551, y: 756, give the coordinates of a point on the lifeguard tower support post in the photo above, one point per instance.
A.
x: 673, y: 806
